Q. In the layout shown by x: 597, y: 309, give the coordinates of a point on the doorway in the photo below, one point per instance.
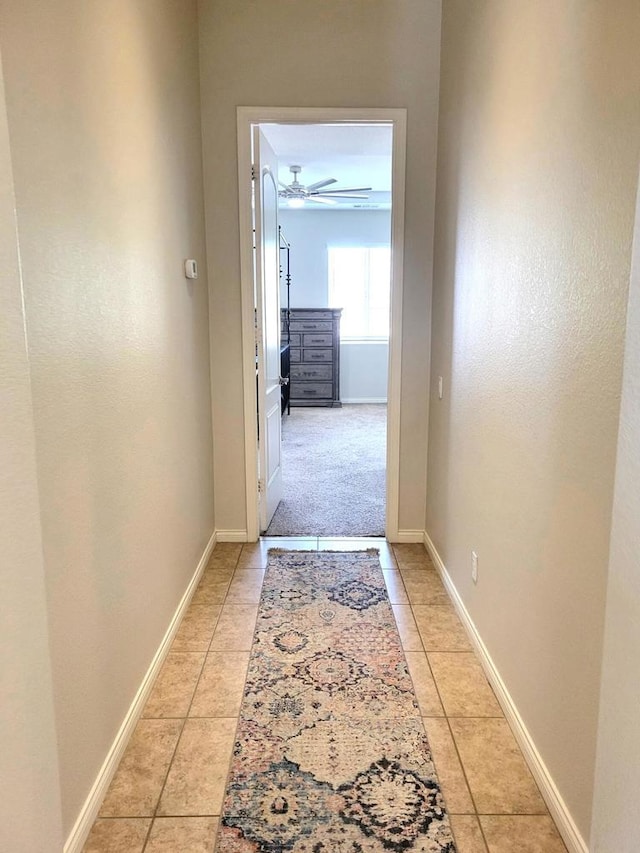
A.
x: 382, y: 419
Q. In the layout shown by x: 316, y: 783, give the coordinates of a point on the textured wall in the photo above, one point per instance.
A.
x: 364, y: 53
x: 615, y: 818
x: 103, y: 106
x: 539, y: 136
x: 29, y: 777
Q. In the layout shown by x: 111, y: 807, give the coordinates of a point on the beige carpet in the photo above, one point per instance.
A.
x: 333, y: 472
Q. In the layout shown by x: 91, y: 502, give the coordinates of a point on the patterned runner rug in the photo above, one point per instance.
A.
x: 331, y: 755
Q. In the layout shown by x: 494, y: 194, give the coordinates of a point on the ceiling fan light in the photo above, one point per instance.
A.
x: 295, y: 202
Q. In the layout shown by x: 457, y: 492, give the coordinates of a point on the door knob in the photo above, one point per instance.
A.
x: 283, y: 380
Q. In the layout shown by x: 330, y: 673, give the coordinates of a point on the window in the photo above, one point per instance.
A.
x: 359, y: 283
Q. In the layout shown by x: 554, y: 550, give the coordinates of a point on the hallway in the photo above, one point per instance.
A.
x: 128, y: 423
x: 167, y: 794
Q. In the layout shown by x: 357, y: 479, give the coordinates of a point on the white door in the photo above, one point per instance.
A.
x: 267, y: 279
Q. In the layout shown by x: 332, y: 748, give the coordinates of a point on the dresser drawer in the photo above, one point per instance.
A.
x: 317, y: 340
x: 312, y: 371
x: 294, y: 355
x: 316, y: 355
x: 300, y: 314
x: 312, y: 391
x: 295, y: 339
x: 311, y: 325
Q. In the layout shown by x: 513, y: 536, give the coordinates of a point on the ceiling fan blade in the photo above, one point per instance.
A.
x: 319, y: 184
x: 284, y: 186
x: 348, y: 190
x: 321, y: 200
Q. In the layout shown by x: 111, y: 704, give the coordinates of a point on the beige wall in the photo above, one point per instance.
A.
x: 29, y: 776
x: 364, y: 53
x: 615, y: 817
x: 103, y: 106
x: 538, y: 153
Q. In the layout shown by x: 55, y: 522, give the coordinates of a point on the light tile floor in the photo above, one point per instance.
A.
x: 167, y: 793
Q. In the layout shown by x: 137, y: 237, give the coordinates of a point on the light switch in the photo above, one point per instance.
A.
x: 191, y: 268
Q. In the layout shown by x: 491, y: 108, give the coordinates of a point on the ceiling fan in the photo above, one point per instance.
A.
x: 296, y: 193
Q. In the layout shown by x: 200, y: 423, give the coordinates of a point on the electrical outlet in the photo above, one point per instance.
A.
x: 474, y: 567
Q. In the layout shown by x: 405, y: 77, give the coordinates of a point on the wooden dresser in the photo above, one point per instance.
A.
x: 315, y: 355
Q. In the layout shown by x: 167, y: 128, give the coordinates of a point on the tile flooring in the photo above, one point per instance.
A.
x: 167, y: 793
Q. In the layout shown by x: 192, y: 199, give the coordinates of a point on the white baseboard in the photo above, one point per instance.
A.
x: 232, y: 536
x: 408, y: 536
x: 557, y: 806
x: 355, y: 400
x: 91, y: 807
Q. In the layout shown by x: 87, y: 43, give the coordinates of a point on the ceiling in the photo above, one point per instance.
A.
x: 356, y: 155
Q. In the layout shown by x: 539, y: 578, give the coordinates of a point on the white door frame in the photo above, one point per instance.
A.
x: 247, y: 117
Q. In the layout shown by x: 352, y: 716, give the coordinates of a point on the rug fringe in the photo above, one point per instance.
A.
x: 307, y: 551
